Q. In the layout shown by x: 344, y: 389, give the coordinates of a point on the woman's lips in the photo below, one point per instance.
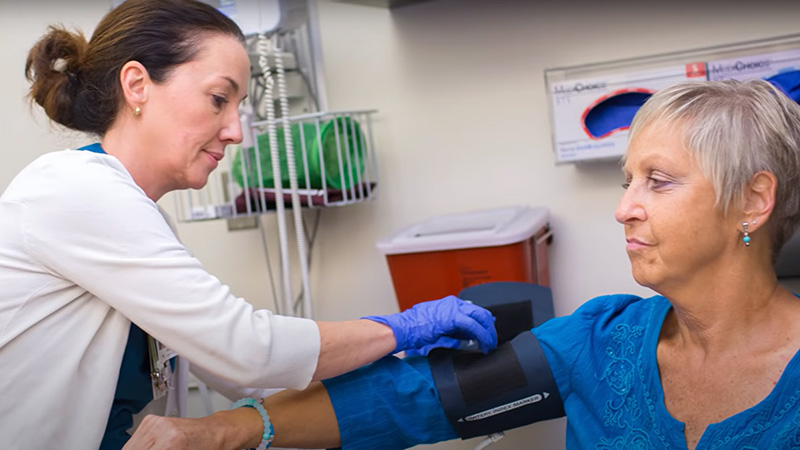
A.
x: 635, y: 244
x: 214, y: 157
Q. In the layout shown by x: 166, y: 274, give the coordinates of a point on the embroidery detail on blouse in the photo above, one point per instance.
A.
x: 789, y: 437
x: 635, y: 440
x: 623, y: 411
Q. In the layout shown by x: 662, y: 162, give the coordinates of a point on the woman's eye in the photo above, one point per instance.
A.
x: 656, y: 183
x: 219, y: 101
x: 626, y: 185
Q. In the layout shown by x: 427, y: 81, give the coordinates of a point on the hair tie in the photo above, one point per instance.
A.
x: 59, y: 65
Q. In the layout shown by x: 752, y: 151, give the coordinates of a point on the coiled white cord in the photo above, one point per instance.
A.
x: 264, y: 47
x: 297, y: 208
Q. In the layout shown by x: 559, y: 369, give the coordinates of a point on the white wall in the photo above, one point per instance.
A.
x: 463, y: 125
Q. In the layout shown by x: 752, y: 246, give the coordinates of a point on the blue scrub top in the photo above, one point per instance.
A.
x: 134, y: 390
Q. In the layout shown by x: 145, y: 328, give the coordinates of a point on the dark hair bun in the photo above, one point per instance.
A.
x: 53, y: 67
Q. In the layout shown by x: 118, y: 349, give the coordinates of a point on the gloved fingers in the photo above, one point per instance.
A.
x: 466, y: 320
x: 467, y: 327
x: 442, y: 342
x: 486, y: 320
x: 482, y: 315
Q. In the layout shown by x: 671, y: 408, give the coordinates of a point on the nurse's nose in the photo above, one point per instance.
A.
x: 231, y: 133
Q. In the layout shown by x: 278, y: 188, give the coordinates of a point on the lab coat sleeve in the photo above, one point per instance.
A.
x: 94, y: 226
x: 231, y: 391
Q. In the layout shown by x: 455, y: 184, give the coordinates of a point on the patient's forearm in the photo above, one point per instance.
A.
x: 303, y: 419
x: 390, y: 404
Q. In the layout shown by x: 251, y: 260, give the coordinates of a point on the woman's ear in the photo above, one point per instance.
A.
x: 134, y: 79
x: 759, y: 198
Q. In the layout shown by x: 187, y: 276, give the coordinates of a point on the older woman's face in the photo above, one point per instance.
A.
x: 194, y: 115
x: 673, y: 230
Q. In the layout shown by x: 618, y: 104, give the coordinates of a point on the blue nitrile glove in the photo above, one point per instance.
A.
x: 442, y: 342
x: 427, y: 323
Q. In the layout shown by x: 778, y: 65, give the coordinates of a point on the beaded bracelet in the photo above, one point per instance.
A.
x: 269, y: 432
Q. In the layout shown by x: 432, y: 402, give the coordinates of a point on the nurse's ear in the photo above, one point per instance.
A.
x: 134, y: 80
x: 759, y: 199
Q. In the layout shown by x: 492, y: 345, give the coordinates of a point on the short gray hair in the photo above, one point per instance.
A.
x: 735, y: 129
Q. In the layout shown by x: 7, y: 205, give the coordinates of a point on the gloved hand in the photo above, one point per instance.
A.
x: 442, y: 342
x: 430, y: 322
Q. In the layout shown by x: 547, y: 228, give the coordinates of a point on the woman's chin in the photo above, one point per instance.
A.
x: 644, y: 278
x: 198, y: 182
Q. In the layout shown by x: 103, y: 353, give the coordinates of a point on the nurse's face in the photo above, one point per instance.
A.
x: 194, y: 114
x: 675, y: 234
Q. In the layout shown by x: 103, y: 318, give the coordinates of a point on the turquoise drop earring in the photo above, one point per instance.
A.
x: 746, y: 238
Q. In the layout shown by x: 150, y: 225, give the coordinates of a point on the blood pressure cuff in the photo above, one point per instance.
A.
x: 508, y: 388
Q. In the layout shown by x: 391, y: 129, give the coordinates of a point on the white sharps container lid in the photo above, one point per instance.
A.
x: 487, y: 228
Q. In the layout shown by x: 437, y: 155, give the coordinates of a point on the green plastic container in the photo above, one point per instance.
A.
x: 351, y: 141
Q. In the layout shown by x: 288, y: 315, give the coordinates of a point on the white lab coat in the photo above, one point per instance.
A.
x: 83, y: 252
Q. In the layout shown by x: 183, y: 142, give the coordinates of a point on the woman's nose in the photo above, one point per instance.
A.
x: 232, y: 132
x: 630, y: 206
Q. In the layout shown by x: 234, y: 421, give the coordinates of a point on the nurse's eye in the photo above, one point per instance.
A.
x: 219, y: 101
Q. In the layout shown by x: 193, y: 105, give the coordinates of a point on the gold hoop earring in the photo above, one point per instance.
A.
x: 137, y: 111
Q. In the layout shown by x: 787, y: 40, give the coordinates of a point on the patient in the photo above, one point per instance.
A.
x: 712, y: 176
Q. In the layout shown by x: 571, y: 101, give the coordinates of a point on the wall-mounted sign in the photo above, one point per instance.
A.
x: 591, y: 107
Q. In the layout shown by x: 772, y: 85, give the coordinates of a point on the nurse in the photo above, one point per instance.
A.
x: 98, y: 292
x: 711, y: 362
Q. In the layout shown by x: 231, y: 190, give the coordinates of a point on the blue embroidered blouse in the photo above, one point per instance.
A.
x: 603, y: 358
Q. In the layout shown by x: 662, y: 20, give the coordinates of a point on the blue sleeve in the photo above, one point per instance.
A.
x: 565, y: 340
x: 389, y: 404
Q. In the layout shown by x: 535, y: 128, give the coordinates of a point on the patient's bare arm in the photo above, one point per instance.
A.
x: 301, y: 419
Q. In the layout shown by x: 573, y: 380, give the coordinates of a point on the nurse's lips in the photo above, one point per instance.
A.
x: 217, y: 157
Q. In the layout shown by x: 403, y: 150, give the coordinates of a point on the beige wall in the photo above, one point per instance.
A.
x: 463, y: 125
